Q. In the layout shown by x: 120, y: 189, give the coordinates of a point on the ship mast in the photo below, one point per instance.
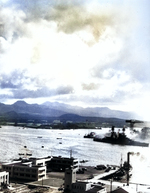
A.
x: 121, y: 161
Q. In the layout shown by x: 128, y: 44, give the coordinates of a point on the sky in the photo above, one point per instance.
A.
x: 90, y: 53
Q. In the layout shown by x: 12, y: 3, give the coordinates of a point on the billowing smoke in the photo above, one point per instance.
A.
x: 90, y: 86
x: 69, y: 18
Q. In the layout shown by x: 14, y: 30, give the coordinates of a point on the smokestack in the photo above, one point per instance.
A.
x: 128, y: 167
x: 128, y: 164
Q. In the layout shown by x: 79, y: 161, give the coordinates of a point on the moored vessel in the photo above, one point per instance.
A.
x: 119, y: 139
x: 90, y: 135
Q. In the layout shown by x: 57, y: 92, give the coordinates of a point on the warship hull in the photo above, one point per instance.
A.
x: 123, y: 141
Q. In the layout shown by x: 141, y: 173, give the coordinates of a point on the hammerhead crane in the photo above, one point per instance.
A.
x: 133, y: 122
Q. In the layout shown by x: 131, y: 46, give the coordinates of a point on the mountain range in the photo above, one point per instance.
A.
x: 55, y: 109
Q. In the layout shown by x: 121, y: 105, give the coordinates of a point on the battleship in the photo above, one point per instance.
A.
x: 119, y: 139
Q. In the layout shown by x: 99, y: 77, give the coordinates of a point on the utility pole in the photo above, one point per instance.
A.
x: 128, y: 167
x: 111, y: 185
x: 71, y: 153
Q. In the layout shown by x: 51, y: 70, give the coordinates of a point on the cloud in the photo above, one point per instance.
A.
x: 11, y: 28
x: 41, y: 92
x: 20, y: 85
x: 92, y: 52
x: 13, y: 80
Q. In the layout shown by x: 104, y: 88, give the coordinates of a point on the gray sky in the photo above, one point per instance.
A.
x: 88, y: 53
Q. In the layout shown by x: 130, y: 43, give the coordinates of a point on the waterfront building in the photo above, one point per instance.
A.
x: 70, y: 178
x: 73, y: 186
x: 86, y: 125
x: 69, y: 122
x: 56, y: 122
x: 61, y: 163
x: 86, y: 187
x: 4, y: 178
x: 31, y: 169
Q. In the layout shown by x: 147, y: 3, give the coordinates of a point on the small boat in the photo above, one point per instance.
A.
x: 83, y: 161
x: 39, y: 137
x: 90, y: 135
x: 20, y: 153
x: 29, y: 154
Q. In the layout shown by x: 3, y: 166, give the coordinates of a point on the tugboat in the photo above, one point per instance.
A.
x: 119, y: 139
x: 90, y: 135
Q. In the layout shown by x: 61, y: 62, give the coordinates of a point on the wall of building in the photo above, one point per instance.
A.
x: 23, y: 171
x: 70, y: 177
x: 61, y: 163
x: 4, y: 178
x: 81, y: 187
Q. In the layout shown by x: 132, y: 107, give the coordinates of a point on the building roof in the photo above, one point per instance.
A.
x: 64, y: 158
x: 24, y: 162
x: 95, y: 189
x: 119, y: 190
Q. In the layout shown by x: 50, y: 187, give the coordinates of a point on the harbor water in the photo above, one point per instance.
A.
x: 66, y: 143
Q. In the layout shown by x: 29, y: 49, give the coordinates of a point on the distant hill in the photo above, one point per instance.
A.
x: 22, y: 112
x: 31, y: 109
x: 91, y: 111
x: 104, y: 120
x: 56, y: 109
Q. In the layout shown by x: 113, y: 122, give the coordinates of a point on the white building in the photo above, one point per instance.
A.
x: 57, y: 122
x: 86, y: 187
x: 27, y: 169
x: 4, y: 178
x: 73, y: 186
